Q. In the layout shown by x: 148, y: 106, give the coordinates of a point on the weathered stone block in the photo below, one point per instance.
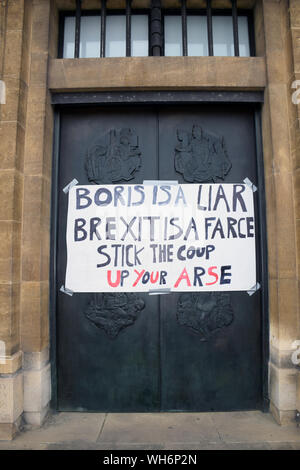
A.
x: 8, y: 148
x: 13, y: 54
x: 9, y: 430
x: 267, y: 137
x: 288, y: 312
x: 36, y: 360
x: 260, y: 44
x: 295, y: 13
x: 11, y: 189
x: 285, y: 229
x: 273, y: 29
x: 26, y: 43
x: 10, y: 316
x: 278, y: 96
x: 38, y: 69
x: 10, y: 110
x: 298, y: 247
x: 298, y: 390
x: 283, y: 388
x: 282, y: 417
x: 157, y: 73
x: 11, y: 397
x: 297, y: 192
x: 35, y: 313
x: 36, y: 418
x: 35, y: 246
x: 37, y: 389
x: 15, y: 15
x: 296, y: 48
x: 10, y: 255
x: 273, y: 313
x: 271, y: 227
x: 36, y: 113
x: 33, y: 186
x: 19, y: 161
x: 53, y: 32
x: 11, y: 364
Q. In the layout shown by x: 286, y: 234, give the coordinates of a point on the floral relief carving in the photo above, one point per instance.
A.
x: 205, y: 313
x: 114, y: 312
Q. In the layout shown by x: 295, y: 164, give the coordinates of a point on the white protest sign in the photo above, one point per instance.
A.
x: 137, y: 238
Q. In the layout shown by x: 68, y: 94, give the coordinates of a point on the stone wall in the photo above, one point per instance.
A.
x: 28, y: 65
x: 12, y: 133
x: 36, y: 219
x: 279, y: 144
x: 25, y: 172
x: 295, y: 135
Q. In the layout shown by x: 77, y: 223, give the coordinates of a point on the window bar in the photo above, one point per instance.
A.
x: 184, y: 28
x: 77, y: 29
x: 103, y: 28
x: 209, y: 28
x: 235, y: 28
x: 155, y: 28
x: 128, y: 28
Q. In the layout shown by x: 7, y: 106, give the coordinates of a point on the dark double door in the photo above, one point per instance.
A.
x: 125, y: 352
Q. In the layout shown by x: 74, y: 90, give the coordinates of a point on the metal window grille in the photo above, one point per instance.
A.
x: 156, y: 39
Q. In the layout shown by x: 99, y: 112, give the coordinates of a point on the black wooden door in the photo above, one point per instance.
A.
x: 210, y: 342
x: 135, y: 352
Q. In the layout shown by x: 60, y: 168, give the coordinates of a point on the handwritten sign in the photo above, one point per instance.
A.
x: 138, y: 238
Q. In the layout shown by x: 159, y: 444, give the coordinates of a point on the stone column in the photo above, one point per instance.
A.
x: 295, y: 133
x: 12, y: 126
x: 279, y: 145
x: 36, y: 217
x: 26, y: 132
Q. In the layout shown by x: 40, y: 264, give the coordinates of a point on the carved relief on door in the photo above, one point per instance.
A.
x: 114, y: 312
x: 205, y: 313
x: 201, y: 157
x: 114, y: 157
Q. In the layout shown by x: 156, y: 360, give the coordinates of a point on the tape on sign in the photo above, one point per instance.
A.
x: 250, y: 184
x: 66, y: 291
x: 70, y: 185
x: 161, y: 291
x: 159, y: 182
x: 254, y: 289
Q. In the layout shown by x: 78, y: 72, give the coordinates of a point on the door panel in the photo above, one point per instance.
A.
x: 100, y: 367
x: 126, y: 352
x: 214, y: 365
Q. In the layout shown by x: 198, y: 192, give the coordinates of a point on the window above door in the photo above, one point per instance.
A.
x: 135, y: 32
x: 115, y: 35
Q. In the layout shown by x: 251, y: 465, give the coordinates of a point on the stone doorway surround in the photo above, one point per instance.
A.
x: 30, y: 70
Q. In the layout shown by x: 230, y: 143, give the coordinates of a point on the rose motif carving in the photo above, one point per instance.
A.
x: 114, y: 312
x: 113, y: 157
x: 205, y: 313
